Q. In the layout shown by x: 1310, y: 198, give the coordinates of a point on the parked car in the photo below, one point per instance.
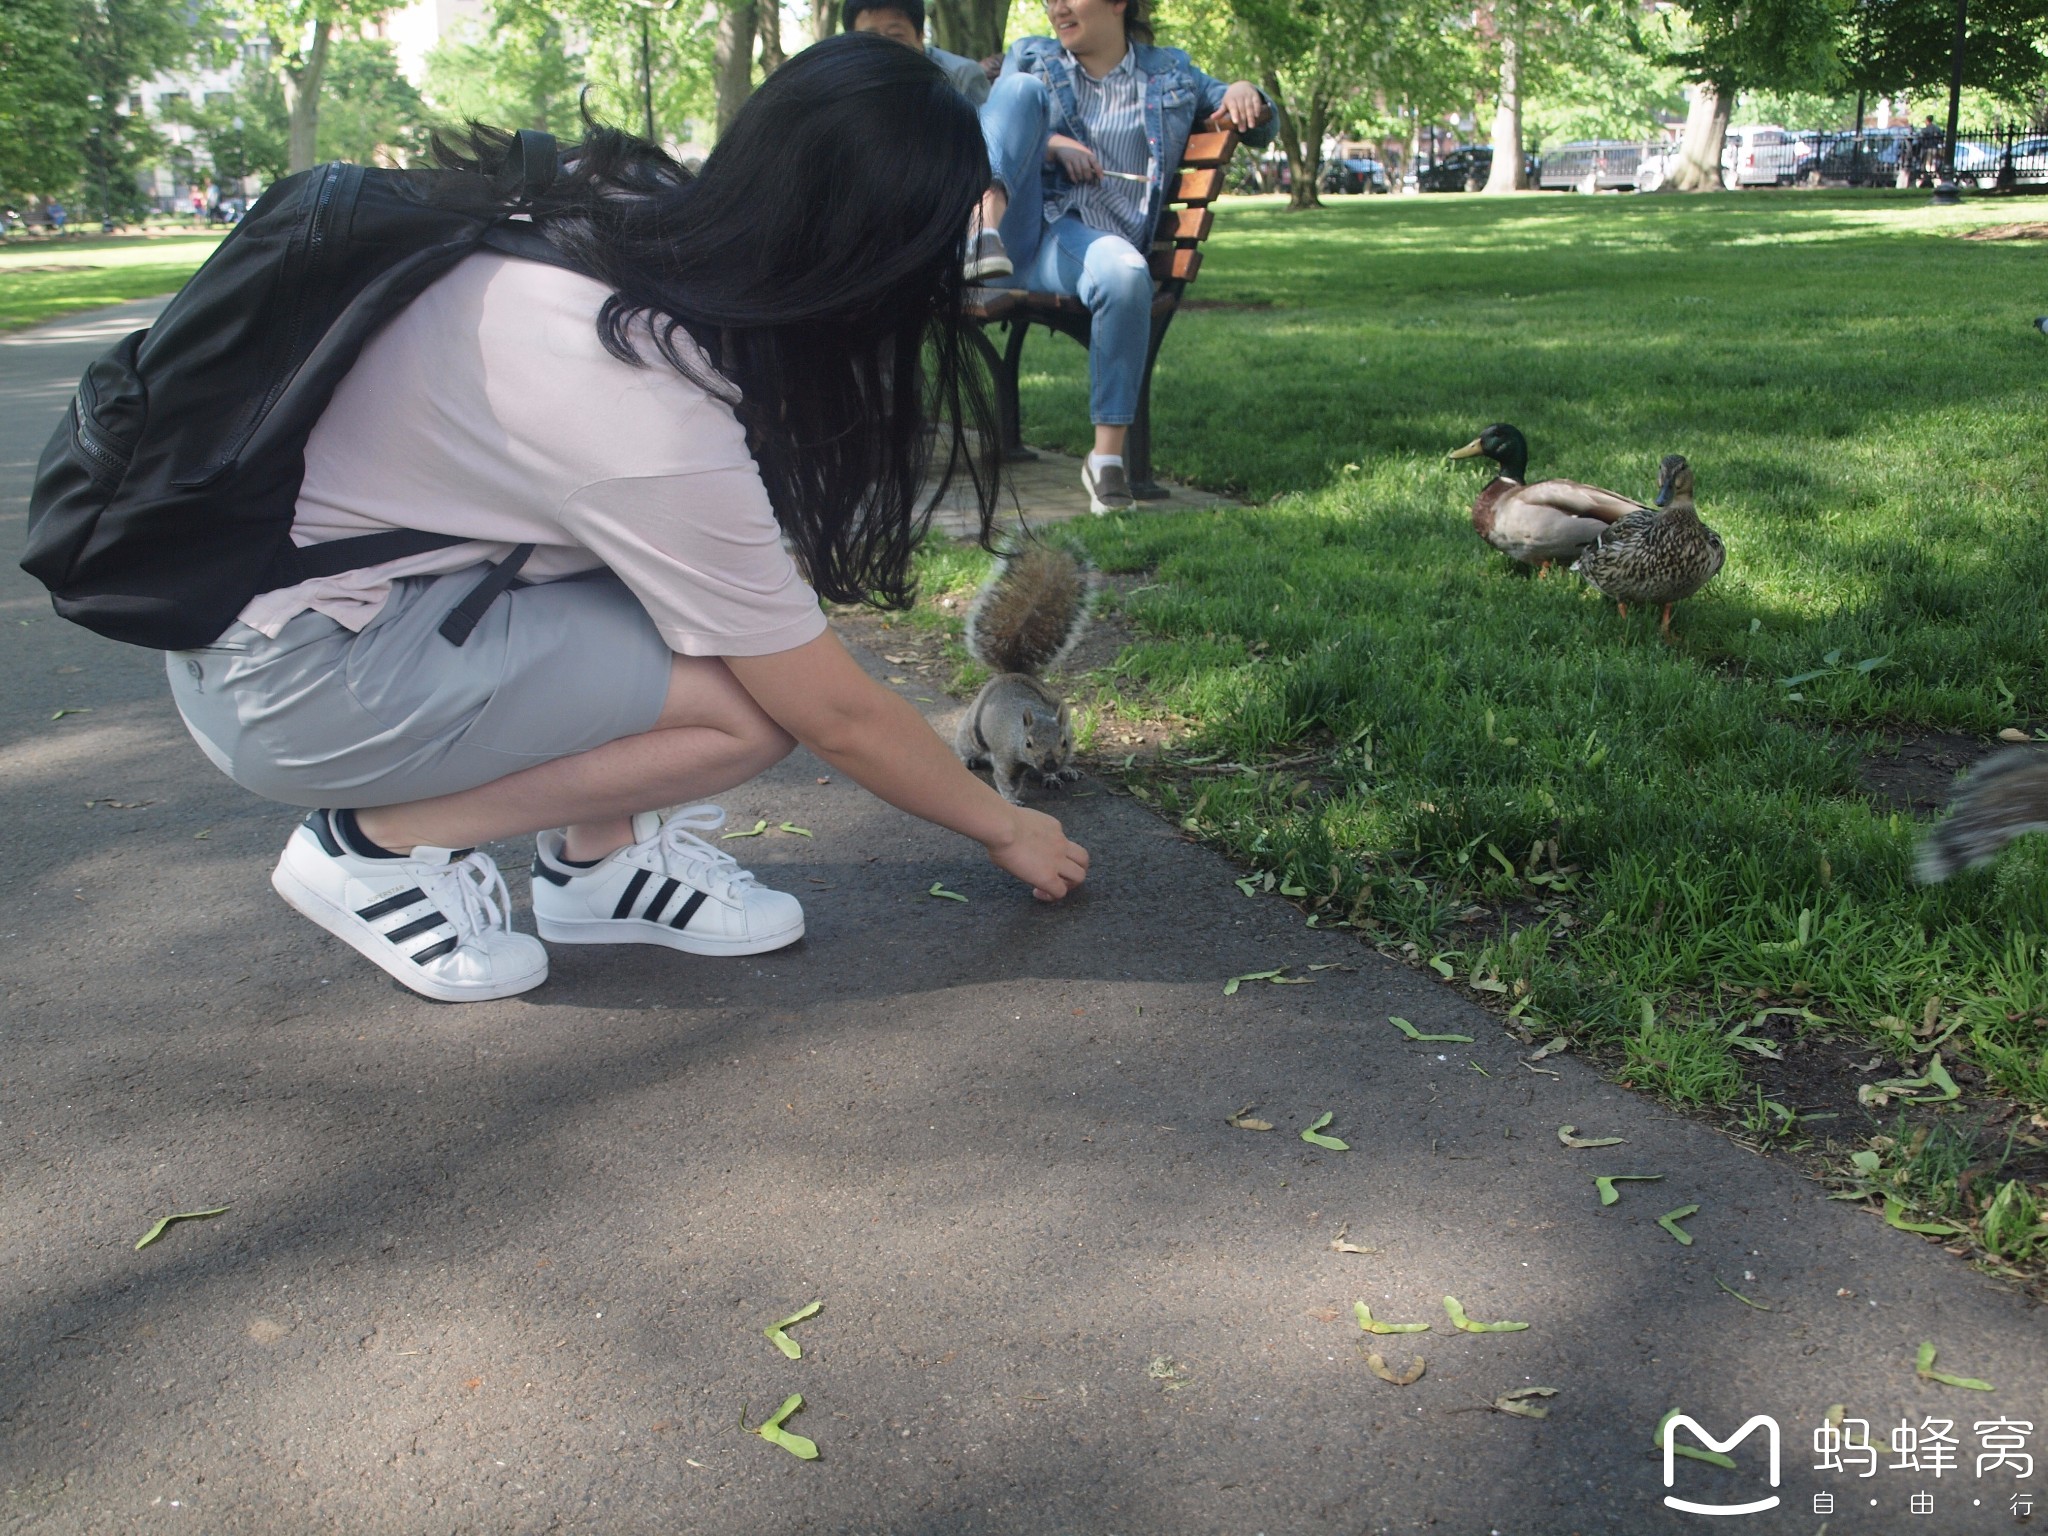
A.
x: 1982, y: 160
x: 1355, y: 175
x: 1596, y: 165
x: 1759, y: 156
x: 1870, y: 158
x: 1465, y: 169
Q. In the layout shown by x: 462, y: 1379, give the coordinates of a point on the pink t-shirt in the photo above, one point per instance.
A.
x: 488, y: 408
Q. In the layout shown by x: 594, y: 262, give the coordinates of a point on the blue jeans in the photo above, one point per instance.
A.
x: 1104, y: 271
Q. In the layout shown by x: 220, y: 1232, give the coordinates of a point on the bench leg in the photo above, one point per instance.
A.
x: 1011, y: 411
x: 1138, y: 445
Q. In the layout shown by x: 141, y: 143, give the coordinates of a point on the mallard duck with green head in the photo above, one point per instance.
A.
x: 1656, y: 556
x: 1542, y: 523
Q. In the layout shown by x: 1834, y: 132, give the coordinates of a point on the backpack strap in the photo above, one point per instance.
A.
x: 533, y: 162
x: 461, y: 619
x: 365, y: 550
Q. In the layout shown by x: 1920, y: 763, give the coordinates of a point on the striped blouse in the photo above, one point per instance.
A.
x: 1114, y: 110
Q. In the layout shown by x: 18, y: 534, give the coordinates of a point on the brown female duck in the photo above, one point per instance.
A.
x: 1541, y: 523
x: 1656, y: 556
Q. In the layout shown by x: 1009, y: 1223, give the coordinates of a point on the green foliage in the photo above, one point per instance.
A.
x: 1907, y: 45
x: 1599, y: 78
x: 369, y: 112
x: 527, y: 71
x: 120, y: 42
x: 1779, y: 44
x: 44, y: 114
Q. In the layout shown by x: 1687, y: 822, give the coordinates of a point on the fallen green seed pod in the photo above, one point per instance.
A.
x: 772, y: 1431
x: 163, y: 1223
x: 1924, y: 1369
x: 1670, y: 1220
x: 939, y: 890
x: 1712, y: 1458
x: 1313, y: 1139
x: 1372, y: 1325
x: 1569, y: 1135
x: 1415, y: 1034
x: 1459, y: 1318
x: 783, y: 1341
x: 754, y: 831
x: 1605, y: 1183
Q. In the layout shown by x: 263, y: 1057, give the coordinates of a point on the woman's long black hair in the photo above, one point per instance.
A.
x: 816, y: 261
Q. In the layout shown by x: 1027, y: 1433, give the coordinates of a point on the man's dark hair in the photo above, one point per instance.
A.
x: 913, y: 10
x: 818, y: 268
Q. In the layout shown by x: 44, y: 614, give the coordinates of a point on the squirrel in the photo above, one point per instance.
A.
x: 1025, y: 618
x: 2004, y: 796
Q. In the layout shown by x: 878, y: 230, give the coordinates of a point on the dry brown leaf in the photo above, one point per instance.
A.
x: 1244, y: 1122
x: 1378, y: 1365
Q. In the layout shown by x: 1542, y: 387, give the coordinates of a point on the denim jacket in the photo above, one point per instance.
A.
x: 1177, y: 96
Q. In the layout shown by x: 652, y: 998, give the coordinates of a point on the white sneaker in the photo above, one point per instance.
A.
x: 669, y: 887
x: 439, y: 921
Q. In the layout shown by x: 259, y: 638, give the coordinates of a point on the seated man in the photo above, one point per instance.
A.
x: 902, y: 21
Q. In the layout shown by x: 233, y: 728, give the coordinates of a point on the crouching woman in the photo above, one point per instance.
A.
x: 739, y: 365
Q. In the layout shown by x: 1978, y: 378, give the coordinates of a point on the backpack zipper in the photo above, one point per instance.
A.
x: 98, y: 448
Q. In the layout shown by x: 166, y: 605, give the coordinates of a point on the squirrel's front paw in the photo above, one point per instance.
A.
x: 1069, y: 774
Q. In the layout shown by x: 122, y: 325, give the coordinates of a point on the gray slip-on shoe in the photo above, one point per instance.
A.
x: 1109, y: 488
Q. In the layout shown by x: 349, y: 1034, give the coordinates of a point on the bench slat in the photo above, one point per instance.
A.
x: 1209, y: 148
x: 1183, y: 265
x: 1197, y: 187
x: 1186, y: 224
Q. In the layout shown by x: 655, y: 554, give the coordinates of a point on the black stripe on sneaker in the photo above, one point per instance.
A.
x: 689, y: 909
x: 317, y: 823
x: 634, y: 887
x: 418, y: 926
x: 391, y: 904
x: 652, y: 911
x: 434, y: 951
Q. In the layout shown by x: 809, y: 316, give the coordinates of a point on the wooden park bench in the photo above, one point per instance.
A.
x: 1176, y: 257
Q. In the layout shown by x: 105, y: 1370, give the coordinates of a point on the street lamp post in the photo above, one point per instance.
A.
x: 647, y: 11
x: 1945, y: 190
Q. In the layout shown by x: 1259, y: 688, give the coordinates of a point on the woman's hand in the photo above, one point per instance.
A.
x: 1037, y: 852
x: 1073, y: 157
x: 1243, y: 108
x: 819, y: 694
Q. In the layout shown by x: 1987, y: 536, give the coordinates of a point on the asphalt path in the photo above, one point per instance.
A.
x: 507, y: 1267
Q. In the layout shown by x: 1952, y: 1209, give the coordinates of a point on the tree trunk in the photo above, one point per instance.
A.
x: 970, y: 28
x: 302, y: 100
x: 1303, y: 144
x: 770, y: 20
x: 824, y: 19
x: 1506, y: 174
x: 733, y: 58
x: 1699, y: 154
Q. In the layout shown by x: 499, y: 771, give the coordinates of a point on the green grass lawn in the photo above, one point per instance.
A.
x: 45, y: 278
x: 1641, y: 843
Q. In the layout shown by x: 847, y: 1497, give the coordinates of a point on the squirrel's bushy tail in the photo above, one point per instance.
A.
x: 1033, y: 610
x: 2004, y: 796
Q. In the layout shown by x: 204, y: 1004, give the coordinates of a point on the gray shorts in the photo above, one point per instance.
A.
x: 323, y: 716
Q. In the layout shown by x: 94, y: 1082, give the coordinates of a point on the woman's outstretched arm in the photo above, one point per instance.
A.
x: 818, y: 693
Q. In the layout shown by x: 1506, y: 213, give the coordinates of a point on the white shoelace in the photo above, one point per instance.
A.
x: 471, y: 894
x: 678, y: 837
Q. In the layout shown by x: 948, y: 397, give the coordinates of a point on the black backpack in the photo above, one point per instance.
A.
x: 164, y: 502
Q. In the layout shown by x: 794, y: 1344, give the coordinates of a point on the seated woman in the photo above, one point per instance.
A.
x: 740, y: 366
x: 1083, y: 131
